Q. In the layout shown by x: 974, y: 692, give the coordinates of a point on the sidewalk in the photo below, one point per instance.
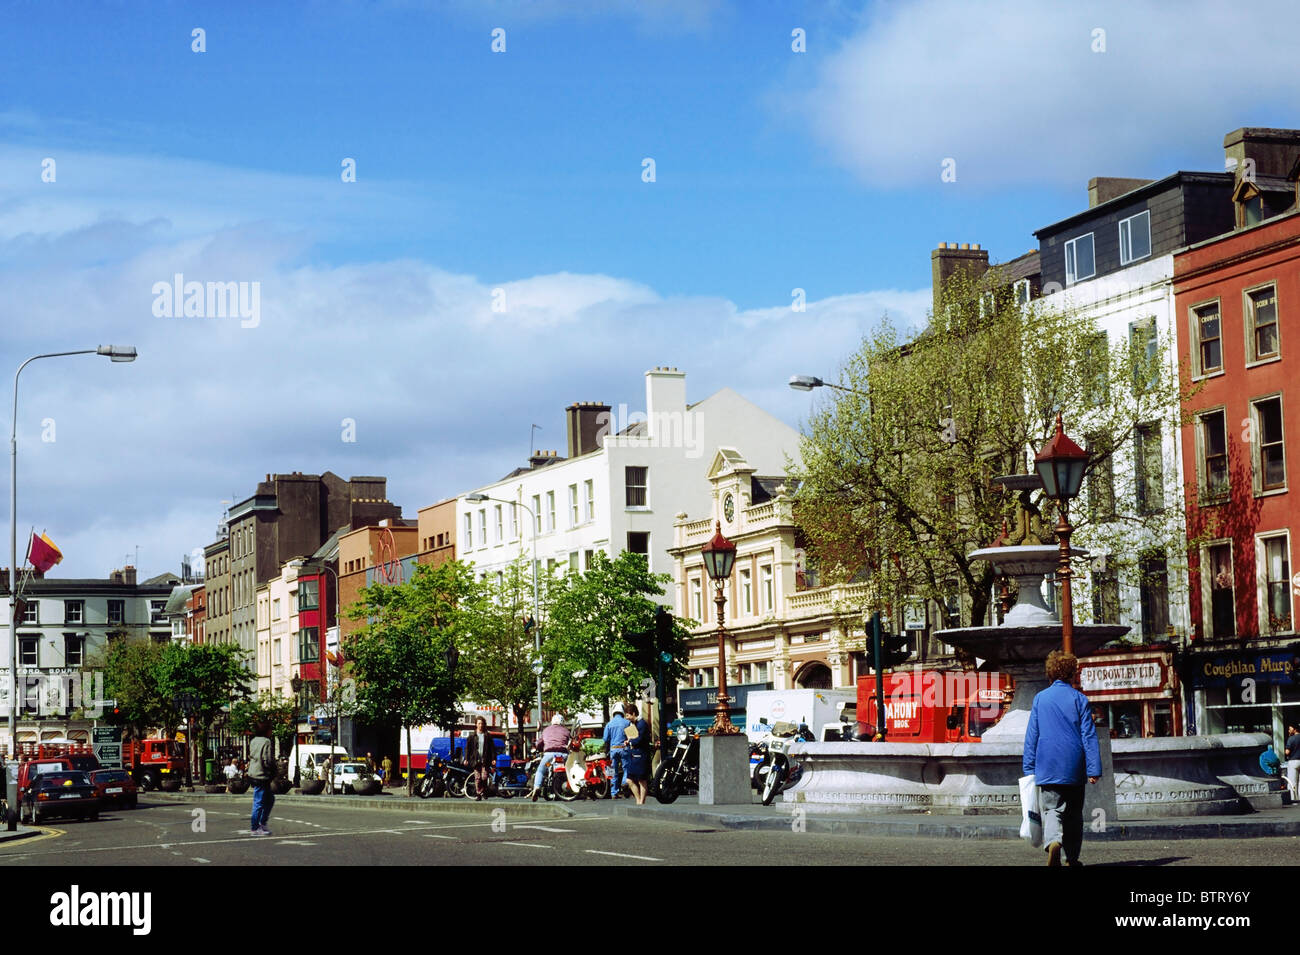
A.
x: 784, y: 816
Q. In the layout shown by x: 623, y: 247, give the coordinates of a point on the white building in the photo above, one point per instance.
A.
x: 1114, y: 263
x: 783, y: 630
x: 625, y: 479
x: 63, y: 637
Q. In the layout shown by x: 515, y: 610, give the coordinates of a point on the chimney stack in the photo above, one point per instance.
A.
x: 586, y: 423
x: 949, y: 259
x: 1105, y: 188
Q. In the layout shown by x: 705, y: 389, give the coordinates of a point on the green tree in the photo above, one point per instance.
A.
x: 497, y: 650
x: 591, y: 652
x: 278, y: 711
x: 131, y: 678
x: 401, y: 658
x: 201, y: 680
x: 895, y: 475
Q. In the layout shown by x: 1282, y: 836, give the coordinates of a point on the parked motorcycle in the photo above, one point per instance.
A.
x: 515, y: 780
x: 433, y: 784
x: 680, y: 772
x: 585, y: 775
x: 778, y: 769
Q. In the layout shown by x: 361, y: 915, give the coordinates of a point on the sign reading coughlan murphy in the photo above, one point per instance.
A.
x: 1107, y: 677
x: 1221, y: 670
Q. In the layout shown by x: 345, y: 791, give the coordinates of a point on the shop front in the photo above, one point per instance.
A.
x: 1133, y: 694
x: 697, y: 707
x: 1243, y: 691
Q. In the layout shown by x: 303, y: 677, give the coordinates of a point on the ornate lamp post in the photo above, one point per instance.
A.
x: 719, y: 558
x: 1061, y: 464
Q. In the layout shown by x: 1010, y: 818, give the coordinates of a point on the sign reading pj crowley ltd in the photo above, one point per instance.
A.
x: 1123, y: 676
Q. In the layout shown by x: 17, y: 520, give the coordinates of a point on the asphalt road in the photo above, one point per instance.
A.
x: 490, y: 834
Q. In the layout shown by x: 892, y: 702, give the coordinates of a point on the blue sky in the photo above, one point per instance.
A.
x: 522, y: 170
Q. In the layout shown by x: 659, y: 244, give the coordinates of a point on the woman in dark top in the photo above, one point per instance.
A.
x: 480, y: 756
x: 639, y: 756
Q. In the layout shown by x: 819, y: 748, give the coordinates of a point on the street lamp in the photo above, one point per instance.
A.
x: 719, y: 558
x: 116, y: 353
x: 1060, y: 465
x: 809, y: 382
x: 478, y: 498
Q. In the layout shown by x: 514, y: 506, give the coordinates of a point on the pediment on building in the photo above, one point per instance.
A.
x: 728, y: 461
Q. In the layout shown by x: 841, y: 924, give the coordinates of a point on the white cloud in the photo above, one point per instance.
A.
x: 1014, y: 92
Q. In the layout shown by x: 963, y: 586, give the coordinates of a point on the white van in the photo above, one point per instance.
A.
x: 316, y: 752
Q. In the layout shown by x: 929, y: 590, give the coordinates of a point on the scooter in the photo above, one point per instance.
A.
x: 778, y: 770
x: 680, y: 772
x: 585, y: 775
x: 555, y: 783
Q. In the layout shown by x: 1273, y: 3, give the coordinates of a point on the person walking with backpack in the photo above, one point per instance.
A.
x: 261, y: 772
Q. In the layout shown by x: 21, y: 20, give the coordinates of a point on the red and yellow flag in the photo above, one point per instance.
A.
x: 42, y: 553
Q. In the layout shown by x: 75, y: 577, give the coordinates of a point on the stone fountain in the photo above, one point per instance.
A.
x: 1142, y: 778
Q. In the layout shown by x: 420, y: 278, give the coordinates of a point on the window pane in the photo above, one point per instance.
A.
x: 1211, y: 353
x: 1272, y: 459
x: 1264, y: 312
x: 1214, y: 439
x: 636, y: 486
x: 1222, y: 608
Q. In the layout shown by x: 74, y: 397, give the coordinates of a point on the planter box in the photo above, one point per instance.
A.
x: 214, y: 788
x: 313, y: 787
x: 171, y: 784
x: 238, y: 786
x: 281, y: 785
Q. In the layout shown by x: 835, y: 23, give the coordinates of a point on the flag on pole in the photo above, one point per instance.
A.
x: 42, y: 553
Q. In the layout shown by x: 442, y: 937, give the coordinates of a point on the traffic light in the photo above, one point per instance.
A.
x: 664, y: 627
x: 897, y: 648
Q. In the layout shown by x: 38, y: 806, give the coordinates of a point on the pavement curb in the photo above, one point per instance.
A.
x: 22, y: 832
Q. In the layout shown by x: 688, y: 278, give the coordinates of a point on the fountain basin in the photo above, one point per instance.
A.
x: 1153, y: 778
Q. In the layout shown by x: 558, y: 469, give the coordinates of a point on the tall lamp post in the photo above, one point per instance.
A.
x: 1061, y: 464
x: 719, y: 558
x: 537, y: 611
x: 118, y: 353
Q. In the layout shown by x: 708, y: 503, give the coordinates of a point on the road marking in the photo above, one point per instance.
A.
x: 622, y: 855
x: 543, y: 828
x: 434, y: 835
x: 295, y: 842
x: 197, y: 859
x: 526, y: 845
x: 334, y: 833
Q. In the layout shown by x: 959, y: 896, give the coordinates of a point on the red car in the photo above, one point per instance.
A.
x: 115, y: 787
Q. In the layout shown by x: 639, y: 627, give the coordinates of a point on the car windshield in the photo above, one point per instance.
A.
x: 109, y: 776
x: 56, y: 780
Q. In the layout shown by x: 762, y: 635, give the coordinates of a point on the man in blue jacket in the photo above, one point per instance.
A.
x: 1060, y: 752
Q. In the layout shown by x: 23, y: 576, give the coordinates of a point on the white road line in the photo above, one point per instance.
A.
x: 526, y: 845
x: 622, y: 855
x: 434, y: 835
x: 295, y: 842
x: 198, y: 859
x: 543, y: 828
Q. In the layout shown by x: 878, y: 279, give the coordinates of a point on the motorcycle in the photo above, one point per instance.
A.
x: 433, y: 784
x: 680, y: 772
x: 778, y: 770
x: 555, y: 783
x: 514, y: 780
x: 584, y: 775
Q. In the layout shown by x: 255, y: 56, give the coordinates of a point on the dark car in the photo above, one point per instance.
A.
x: 115, y: 787
x: 60, y: 794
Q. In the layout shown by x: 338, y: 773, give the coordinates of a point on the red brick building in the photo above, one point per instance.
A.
x: 1238, y: 302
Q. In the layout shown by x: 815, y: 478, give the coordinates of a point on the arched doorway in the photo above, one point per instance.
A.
x: 813, y: 675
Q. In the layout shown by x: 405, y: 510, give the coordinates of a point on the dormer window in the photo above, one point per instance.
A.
x: 1250, y: 204
x: 1134, y: 238
x: 1080, y: 263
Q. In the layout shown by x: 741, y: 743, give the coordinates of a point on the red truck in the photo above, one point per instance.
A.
x: 150, y: 761
x: 934, y: 706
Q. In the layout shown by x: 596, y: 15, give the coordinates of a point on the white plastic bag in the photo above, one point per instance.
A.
x: 1031, y: 820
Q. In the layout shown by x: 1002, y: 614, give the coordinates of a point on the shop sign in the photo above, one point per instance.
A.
x: 1123, y: 676
x: 702, y: 698
x: 1231, y: 669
